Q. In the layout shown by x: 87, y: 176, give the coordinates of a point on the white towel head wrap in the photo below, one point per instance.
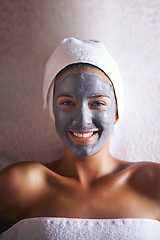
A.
x: 72, y: 50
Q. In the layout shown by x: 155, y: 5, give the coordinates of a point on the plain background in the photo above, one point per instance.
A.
x: 29, y: 32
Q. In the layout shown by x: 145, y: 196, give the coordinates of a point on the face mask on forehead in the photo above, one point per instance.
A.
x: 84, y: 110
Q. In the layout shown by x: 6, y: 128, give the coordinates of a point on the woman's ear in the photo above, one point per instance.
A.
x: 116, y: 118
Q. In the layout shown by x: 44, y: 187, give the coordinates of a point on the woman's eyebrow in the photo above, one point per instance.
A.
x: 99, y: 95
x: 66, y: 95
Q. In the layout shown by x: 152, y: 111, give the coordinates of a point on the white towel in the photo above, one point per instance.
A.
x: 81, y: 229
x: 72, y: 50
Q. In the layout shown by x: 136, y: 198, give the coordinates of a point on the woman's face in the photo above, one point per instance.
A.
x: 84, y: 110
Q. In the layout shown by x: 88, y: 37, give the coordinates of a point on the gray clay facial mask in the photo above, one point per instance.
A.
x: 84, y: 110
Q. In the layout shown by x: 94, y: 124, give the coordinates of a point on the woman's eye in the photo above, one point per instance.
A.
x: 67, y: 103
x: 97, y: 103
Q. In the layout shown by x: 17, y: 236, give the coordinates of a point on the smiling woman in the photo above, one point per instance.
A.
x: 87, y: 194
x: 89, y: 108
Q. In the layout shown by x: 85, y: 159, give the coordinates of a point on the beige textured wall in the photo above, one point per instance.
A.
x: 30, y: 30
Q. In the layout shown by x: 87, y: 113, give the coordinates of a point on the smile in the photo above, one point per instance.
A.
x: 82, y: 135
x: 83, y: 138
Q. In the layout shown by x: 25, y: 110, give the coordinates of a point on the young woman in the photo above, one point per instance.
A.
x: 83, y: 88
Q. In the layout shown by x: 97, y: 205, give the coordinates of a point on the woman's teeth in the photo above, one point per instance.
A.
x: 82, y: 135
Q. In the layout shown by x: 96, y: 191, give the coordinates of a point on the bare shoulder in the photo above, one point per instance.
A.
x: 17, y: 179
x: 145, y: 178
x: 19, y: 184
x: 13, y: 173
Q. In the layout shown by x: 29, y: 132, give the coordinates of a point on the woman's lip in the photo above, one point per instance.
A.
x: 82, y: 131
x: 82, y: 137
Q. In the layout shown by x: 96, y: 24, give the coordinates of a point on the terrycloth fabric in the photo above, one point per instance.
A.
x: 82, y: 229
x: 72, y: 50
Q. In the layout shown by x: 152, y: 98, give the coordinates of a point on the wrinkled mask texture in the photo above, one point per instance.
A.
x: 81, y: 86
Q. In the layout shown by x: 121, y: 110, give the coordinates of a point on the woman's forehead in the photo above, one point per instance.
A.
x: 83, y: 84
x: 78, y: 70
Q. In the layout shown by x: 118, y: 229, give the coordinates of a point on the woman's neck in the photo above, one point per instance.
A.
x: 87, y: 169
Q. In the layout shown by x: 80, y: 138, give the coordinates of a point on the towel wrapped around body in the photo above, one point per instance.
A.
x: 49, y: 228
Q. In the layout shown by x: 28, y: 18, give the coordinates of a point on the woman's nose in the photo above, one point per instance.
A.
x: 83, y: 117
